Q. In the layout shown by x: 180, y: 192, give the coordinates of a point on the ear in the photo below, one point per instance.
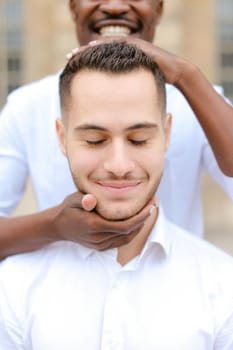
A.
x: 159, y: 10
x: 73, y: 9
x: 60, y: 128
x: 167, y: 129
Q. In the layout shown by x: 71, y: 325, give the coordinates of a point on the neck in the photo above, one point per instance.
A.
x: 134, y: 247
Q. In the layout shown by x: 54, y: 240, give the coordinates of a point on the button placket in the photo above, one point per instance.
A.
x: 112, y: 319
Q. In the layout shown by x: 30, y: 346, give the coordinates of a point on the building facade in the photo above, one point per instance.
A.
x: 35, y: 35
x: 11, y: 46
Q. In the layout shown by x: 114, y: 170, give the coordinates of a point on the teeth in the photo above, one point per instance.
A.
x: 115, y: 31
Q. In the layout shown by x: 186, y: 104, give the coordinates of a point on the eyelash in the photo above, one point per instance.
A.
x: 94, y: 143
x: 133, y: 142
x: 138, y: 142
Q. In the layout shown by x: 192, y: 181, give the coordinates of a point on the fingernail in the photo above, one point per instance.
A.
x: 93, y: 43
x: 69, y: 56
x: 153, y: 207
x: 156, y: 203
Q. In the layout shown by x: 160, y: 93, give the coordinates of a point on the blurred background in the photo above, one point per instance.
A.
x: 36, y: 35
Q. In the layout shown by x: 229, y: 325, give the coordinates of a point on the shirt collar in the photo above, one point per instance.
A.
x: 158, y: 235
x: 85, y: 251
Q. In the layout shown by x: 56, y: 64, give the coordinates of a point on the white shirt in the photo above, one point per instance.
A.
x: 177, y: 295
x: 28, y: 145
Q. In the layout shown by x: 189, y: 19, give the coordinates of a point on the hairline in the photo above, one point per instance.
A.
x: 107, y: 58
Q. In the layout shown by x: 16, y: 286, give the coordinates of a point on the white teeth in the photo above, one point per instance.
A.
x: 115, y: 31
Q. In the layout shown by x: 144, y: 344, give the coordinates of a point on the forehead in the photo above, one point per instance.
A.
x: 109, y: 98
x: 139, y: 82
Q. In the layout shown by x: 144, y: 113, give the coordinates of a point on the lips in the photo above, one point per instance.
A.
x: 119, y: 188
x: 119, y: 184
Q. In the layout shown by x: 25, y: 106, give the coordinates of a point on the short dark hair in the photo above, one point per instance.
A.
x: 115, y: 58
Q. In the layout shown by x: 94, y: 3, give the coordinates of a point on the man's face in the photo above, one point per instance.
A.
x: 115, y: 139
x: 97, y: 18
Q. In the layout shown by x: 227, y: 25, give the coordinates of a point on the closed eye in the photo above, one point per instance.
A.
x: 95, y: 142
x: 137, y: 142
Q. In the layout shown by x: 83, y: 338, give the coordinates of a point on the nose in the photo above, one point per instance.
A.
x: 118, y: 161
x: 114, y: 7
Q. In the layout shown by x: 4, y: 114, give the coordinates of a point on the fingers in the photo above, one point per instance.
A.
x: 122, y: 232
x: 88, y: 228
x: 117, y: 242
x: 89, y: 202
x: 106, y: 241
x: 124, y: 226
x: 80, y: 200
x: 149, y: 48
x: 74, y: 51
x: 95, y: 223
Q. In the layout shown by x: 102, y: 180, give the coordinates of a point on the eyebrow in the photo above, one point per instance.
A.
x: 143, y: 125
x: 90, y: 127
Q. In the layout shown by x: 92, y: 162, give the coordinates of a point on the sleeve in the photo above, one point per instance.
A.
x: 222, y: 268
x: 7, y: 342
x: 216, y: 174
x: 13, y: 164
x: 10, y: 334
x: 224, y: 338
x: 211, y: 165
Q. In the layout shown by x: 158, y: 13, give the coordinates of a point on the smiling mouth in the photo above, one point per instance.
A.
x: 118, y: 188
x: 115, y: 26
x: 114, y: 30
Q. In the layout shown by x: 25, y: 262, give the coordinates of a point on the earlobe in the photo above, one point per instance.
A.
x: 72, y: 5
x: 61, y: 135
x: 159, y: 11
x: 167, y: 128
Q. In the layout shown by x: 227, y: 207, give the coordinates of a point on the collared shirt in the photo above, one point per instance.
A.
x: 177, y: 295
x: 29, y: 145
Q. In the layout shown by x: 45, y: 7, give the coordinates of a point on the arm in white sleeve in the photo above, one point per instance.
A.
x: 13, y: 161
x: 10, y: 334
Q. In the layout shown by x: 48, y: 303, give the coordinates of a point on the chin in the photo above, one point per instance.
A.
x: 116, y: 213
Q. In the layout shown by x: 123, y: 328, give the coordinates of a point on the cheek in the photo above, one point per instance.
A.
x: 83, y: 162
x: 84, y: 10
x: 154, y: 154
x: 154, y: 163
x: 148, y: 13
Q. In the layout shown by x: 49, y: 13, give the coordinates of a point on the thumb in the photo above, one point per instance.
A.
x: 89, y: 202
